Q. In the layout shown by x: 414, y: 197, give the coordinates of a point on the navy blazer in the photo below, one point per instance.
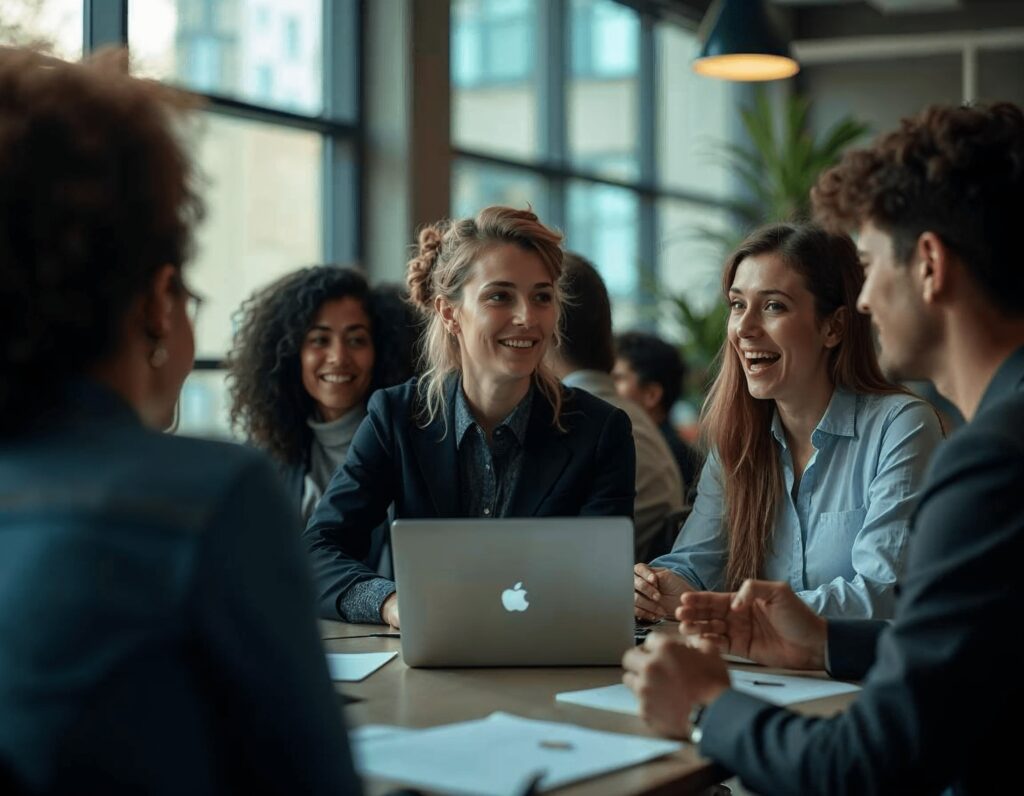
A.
x: 945, y: 682
x: 158, y: 633
x: 588, y: 469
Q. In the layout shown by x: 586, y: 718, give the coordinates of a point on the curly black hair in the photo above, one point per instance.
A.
x: 269, y: 404
x: 97, y: 193
x: 955, y: 171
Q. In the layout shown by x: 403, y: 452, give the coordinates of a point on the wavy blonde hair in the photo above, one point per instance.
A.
x: 446, y: 255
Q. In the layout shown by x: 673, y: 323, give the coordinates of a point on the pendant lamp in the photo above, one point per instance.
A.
x: 742, y: 43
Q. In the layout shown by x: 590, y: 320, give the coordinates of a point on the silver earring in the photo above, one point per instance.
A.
x: 159, y: 357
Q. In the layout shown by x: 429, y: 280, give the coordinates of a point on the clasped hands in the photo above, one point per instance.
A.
x: 763, y: 621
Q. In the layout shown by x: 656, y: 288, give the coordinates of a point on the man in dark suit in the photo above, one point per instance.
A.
x: 937, y: 205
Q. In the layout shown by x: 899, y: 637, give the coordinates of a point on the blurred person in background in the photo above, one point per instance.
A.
x: 584, y: 360
x: 650, y: 371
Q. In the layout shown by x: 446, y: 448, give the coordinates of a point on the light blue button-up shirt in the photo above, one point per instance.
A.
x: 840, y: 545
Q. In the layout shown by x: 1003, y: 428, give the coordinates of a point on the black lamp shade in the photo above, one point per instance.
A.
x: 742, y: 43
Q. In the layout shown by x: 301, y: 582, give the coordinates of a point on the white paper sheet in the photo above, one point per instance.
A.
x: 498, y: 755
x: 786, y: 690
x: 352, y: 667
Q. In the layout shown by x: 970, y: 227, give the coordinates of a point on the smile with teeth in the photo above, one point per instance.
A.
x: 518, y: 342
x: 756, y: 361
x: 337, y: 378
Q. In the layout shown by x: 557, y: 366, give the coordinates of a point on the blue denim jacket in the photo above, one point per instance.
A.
x: 158, y: 631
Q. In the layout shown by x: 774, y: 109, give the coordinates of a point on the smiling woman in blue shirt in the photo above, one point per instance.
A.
x: 816, y: 460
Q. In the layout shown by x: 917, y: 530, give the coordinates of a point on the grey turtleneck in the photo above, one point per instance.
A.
x: 330, y: 446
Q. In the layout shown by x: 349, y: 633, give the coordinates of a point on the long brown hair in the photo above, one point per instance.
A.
x: 737, y: 426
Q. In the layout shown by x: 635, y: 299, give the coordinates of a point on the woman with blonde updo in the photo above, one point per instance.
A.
x: 486, y: 430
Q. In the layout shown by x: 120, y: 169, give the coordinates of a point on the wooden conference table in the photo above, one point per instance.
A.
x: 400, y: 695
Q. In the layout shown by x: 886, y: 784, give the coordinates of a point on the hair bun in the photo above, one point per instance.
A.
x: 421, y: 267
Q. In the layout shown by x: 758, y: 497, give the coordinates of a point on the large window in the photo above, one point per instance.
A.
x: 605, y: 131
x: 275, y: 143
x: 275, y: 148
x: 54, y: 26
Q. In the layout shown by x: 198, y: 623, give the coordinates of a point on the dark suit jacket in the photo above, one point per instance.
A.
x: 158, y: 633
x: 942, y: 703
x: 588, y: 469
x: 378, y: 556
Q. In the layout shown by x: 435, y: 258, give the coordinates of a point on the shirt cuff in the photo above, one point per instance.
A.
x: 850, y: 649
x: 731, y: 714
x: 362, y: 602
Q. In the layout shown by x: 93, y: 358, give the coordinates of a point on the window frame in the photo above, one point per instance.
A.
x: 105, y: 22
x: 554, y: 164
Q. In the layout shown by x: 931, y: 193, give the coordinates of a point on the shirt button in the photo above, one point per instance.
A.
x: 498, y: 432
x: 487, y: 512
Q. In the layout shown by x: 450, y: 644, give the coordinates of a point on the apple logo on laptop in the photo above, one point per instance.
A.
x: 514, y: 599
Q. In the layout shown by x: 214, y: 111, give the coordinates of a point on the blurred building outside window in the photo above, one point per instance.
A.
x: 261, y: 64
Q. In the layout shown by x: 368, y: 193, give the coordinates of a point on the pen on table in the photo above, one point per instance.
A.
x: 362, y: 635
x: 765, y: 682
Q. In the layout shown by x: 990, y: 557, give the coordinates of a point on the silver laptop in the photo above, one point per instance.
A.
x: 515, y: 592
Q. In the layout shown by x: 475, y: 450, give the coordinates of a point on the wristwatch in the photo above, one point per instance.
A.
x: 696, y: 733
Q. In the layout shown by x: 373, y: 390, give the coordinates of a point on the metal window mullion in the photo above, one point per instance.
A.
x: 647, y: 249
x: 551, y: 79
x: 342, y: 144
x: 359, y: 151
x: 104, y: 22
x: 239, y: 109
x: 551, y: 84
x: 341, y: 220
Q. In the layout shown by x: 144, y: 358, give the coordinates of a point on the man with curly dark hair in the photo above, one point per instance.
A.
x: 936, y: 204
x: 157, y: 631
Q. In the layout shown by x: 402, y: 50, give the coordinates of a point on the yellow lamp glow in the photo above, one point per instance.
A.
x: 746, y: 66
x: 740, y: 42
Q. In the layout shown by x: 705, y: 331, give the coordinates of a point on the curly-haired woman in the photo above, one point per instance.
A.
x: 309, y: 350
x: 487, y: 430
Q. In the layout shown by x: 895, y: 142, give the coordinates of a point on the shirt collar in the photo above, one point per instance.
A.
x: 86, y: 398
x: 839, y: 420
x: 1009, y: 378
x: 516, y: 421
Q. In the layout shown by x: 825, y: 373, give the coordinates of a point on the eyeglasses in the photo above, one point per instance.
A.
x: 193, y: 303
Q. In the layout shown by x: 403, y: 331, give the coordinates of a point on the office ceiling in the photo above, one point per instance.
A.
x: 885, y: 6
x: 807, y: 17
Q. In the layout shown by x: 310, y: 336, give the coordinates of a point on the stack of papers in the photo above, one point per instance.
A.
x: 498, y: 755
x: 352, y: 667
x: 775, y: 688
